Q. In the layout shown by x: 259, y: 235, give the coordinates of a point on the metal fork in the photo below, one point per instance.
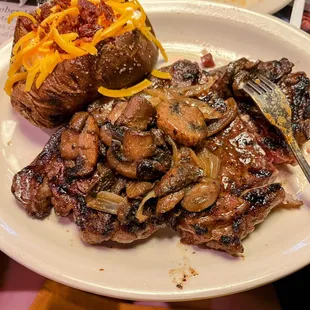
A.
x: 274, y: 105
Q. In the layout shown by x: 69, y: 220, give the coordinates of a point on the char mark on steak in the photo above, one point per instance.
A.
x: 96, y: 227
x: 231, y: 219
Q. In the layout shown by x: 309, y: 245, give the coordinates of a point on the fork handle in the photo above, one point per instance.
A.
x: 299, y: 156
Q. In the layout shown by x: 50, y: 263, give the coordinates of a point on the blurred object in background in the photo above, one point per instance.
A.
x: 39, y: 2
x: 8, y: 7
x: 286, y: 13
x: 297, y: 13
x: 305, y: 25
x: 306, y: 22
x: 22, y: 2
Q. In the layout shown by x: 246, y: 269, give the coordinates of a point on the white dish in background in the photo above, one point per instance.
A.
x: 143, y: 271
x: 260, y: 6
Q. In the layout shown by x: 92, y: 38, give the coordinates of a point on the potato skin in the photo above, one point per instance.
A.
x: 121, y: 62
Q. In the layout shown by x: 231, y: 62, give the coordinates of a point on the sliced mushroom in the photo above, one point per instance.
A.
x: 177, y: 178
x: 187, y: 155
x: 100, y: 109
x: 163, y: 157
x: 119, y: 185
x: 117, y: 149
x: 158, y: 137
x: 201, y: 196
x: 183, y: 123
x: 78, y: 121
x: 69, y: 138
x: 148, y: 169
x: 126, y: 169
x: 124, y: 212
x: 105, y: 134
x: 138, y: 145
x: 117, y: 110
x: 137, y: 114
x: 135, y: 190
x: 109, y: 132
x: 89, y: 146
x: 69, y: 144
x: 106, y: 179
x: 80, y: 144
x: 167, y: 203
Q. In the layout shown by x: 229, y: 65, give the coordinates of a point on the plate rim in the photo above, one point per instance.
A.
x: 287, y: 268
x: 276, y: 8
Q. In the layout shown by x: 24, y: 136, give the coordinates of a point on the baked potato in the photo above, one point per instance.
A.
x: 115, y: 53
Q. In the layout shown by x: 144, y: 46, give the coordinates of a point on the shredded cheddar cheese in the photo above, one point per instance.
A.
x: 35, y: 55
x: 89, y: 48
x: 161, y: 75
x: 23, y: 14
x: 102, y: 34
x: 126, y: 92
x: 17, y: 77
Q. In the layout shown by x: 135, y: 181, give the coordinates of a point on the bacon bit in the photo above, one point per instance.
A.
x: 207, y: 61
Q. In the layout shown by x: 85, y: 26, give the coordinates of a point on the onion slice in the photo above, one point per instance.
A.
x: 175, y: 151
x: 139, y: 215
x: 226, y: 119
x: 106, y: 202
x: 195, y: 90
x: 207, y: 111
x: 208, y: 162
x: 169, y: 94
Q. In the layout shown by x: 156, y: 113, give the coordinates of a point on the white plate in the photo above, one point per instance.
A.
x: 261, y: 6
x: 52, y: 247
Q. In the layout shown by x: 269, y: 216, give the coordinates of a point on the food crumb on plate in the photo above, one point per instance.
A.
x: 182, y: 274
x: 193, y: 272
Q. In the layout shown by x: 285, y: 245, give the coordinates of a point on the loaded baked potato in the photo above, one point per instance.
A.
x: 66, y: 50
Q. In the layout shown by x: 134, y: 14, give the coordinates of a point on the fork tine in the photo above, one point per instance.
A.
x: 263, y: 86
x: 256, y: 87
x: 266, y: 82
x: 250, y: 91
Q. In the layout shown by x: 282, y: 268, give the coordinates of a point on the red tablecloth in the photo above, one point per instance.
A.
x: 18, y: 285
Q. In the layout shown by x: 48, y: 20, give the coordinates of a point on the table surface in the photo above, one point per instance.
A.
x: 19, y: 286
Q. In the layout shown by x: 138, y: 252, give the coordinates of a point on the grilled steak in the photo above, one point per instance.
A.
x: 30, y: 186
x: 231, y: 219
x: 127, y: 168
